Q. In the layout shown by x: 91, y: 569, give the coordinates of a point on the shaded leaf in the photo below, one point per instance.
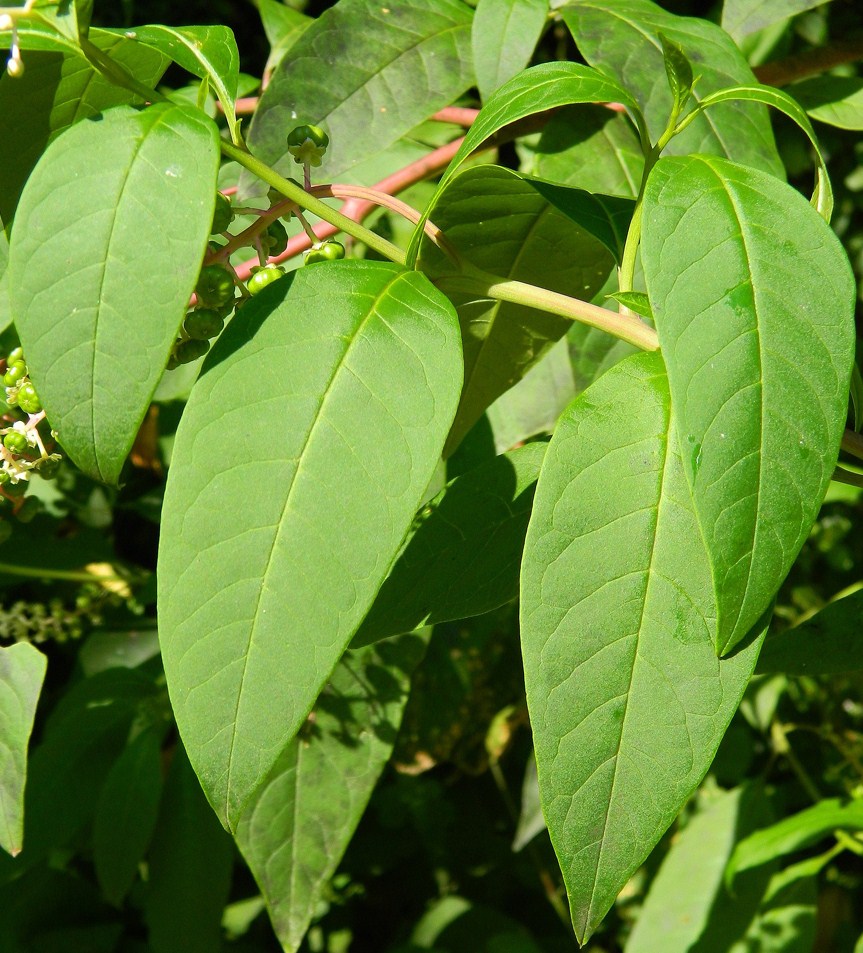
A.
x: 627, y: 699
x: 503, y: 37
x: 301, y: 819
x: 357, y: 375
x: 118, y: 211
x: 283, y: 26
x: 462, y: 558
x: 22, y: 671
x: 623, y: 36
x: 742, y: 17
x: 530, y: 818
x: 759, y: 352
x: 835, y: 100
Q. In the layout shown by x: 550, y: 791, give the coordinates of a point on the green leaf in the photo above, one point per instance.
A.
x: 503, y: 224
x: 534, y: 90
x: 462, y: 558
x: 794, y: 833
x: 678, y: 69
x: 759, y: 352
x: 37, y: 35
x: 636, y: 301
x: 827, y: 644
x: 189, y: 865
x: 357, y: 375
x: 70, y: 18
x: 531, y: 820
x: 283, y: 26
x: 368, y: 74
x: 299, y: 823
x: 742, y: 17
x: 56, y: 91
x: 126, y: 814
x: 592, y: 147
x: 822, y: 196
x: 5, y: 306
x: 835, y: 100
x: 503, y: 37
x: 627, y: 700
x: 622, y: 36
x: 209, y: 52
x: 109, y: 233
x: 22, y: 671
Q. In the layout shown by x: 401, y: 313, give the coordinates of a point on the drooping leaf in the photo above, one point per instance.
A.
x: 367, y: 74
x: 794, y: 833
x: 357, y: 375
x: 829, y: 642
x: 504, y: 225
x: 70, y: 18
x: 742, y: 17
x: 22, y: 671
x: 678, y: 69
x: 126, y: 814
x: 189, y: 868
x: 56, y: 91
x: 759, y: 351
x: 209, y: 52
x: 835, y: 100
x: 532, y: 91
x: 503, y: 37
x: 300, y: 821
x: 109, y: 233
x: 627, y: 699
x: 462, y: 558
x: 623, y: 36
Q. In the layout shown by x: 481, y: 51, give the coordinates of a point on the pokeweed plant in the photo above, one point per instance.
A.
x: 307, y: 534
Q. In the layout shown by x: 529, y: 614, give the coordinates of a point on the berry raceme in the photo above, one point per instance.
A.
x: 215, y: 287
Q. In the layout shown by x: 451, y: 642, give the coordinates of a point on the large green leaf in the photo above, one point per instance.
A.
x: 828, y: 643
x: 534, y: 90
x: 22, y: 671
x: 623, y: 36
x: 300, y: 821
x: 753, y: 298
x: 284, y: 26
x: 794, y: 833
x: 627, y: 699
x: 836, y: 100
x: 742, y: 17
x: 504, y: 225
x: 503, y: 37
x: 109, y: 234
x: 56, y: 91
x: 462, y: 559
x: 357, y: 371
x: 368, y: 74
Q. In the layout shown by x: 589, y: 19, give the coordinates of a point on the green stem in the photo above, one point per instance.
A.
x: 626, y: 328
x: 37, y: 572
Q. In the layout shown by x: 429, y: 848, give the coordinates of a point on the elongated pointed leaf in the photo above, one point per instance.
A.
x: 56, y: 91
x: 368, y: 74
x: 532, y: 91
x: 503, y: 37
x: 22, y: 671
x: 753, y: 298
x: 299, y: 823
x: 462, y: 560
x: 627, y: 699
x: 356, y: 377
x: 622, y: 36
x: 106, y: 248
x: 506, y: 226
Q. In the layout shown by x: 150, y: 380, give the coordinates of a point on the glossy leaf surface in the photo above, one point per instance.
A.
x: 503, y: 36
x: 627, y: 699
x: 759, y: 350
x: 116, y: 215
x: 623, y: 36
x: 357, y: 376
x: 462, y: 558
x: 301, y: 820
x: 22, y: 671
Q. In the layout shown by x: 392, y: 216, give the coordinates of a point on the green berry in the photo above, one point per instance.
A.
x: 215, y: 286
x: 16, y: 356
x: 325, y: 251
x: 48, y: 468
x: 263, y: 277
x: 223, y: 214
x: 28, y: 399
x: 14, y: 373
x: 187, y: 351
x: 15, y: 442
x: 275, y: 239
x: 203, y: 324
x: 308, y: 144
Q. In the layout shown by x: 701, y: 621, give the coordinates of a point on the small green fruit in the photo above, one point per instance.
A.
x: 263, y: 277
x: 325, y: 251
x: 14, y: 373
x: 187, y: 351
x: 275, y: 239
x: 215, y: 286
x: 15, y: 442
x: 203, y: 324
x: 308, y: 144
x: 28, y: 399
x: 223, y: 214
x: 16, y: 356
